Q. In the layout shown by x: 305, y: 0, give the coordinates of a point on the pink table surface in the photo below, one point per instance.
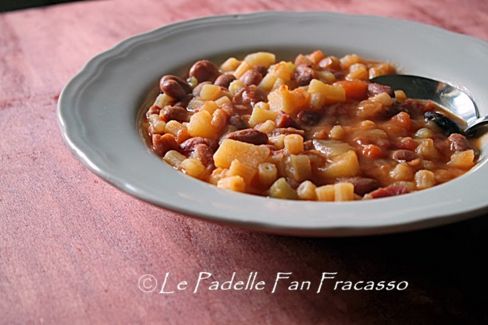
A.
x: 72, y: 247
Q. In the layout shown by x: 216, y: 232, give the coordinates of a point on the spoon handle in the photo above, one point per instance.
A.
x: 475, y: 124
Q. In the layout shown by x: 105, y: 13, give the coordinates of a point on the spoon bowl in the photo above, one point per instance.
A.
x: 452, y: 98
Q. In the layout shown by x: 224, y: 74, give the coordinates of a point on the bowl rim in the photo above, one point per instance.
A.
x: 78, y: 148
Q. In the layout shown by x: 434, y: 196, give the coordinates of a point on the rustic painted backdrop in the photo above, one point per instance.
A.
x: 72, y: 247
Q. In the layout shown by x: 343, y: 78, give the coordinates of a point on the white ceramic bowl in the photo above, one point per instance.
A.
x: 98, y: 115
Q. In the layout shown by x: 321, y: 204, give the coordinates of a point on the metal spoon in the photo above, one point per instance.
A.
x: 452, y: 98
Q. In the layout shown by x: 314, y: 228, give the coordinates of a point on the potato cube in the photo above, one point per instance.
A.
x: 291, y: 102
x: 230, y: 64
x: 344, y: 165
x: 163, y: 100
x: 262, y: 105
x: 173, y: 127
x: 174, y: 158
x: 444, y: 175
x: 367, y: 125
x: 382, y: 98
x: 280, y: 162
x: 241, y: 69
x: 264, y: 59
x: 306, y: 191
x: 343, y: 192
x: 246, y: 153
x: 222, y: 101
x: 424, y: 179
x: 402, y: 172
x: 326, y: 76
x: 260, y: 115
x: 400, y: 96
x: 217, y: 174
x: 195, y: 104
x: 337, y: 132
x: 357, y: 71
x: 219, y: 119
x: 278, y: 83
x: 157, y: 125
x: 301, y: 59
x: 325, y: 193
x: 210, y: 92
x: 235, y: 86
x: 316, y: 56
x: 193, y: 167
x: 462, y: 159
x: 278, y: 141
x: 267, y: 173
x: 316, y: 101
x: 293, y: 143
x: 200, y: 125
x: 153, y: 118
x: 332, y: 148
x: 282, y: 190
x: 349, y: 59
x: 283, y: 70
x: 183, y: 135
x: 268, y: 82
x: 427, y: 150
x: 381, y: 69
x: 424, y: 133
x: 209, y: 106
x: 239, y: 169
x: 266, y: 127
x: 324, y: 94
x: 368, y: 109
x: 298, y: 167
x: 233, y: 183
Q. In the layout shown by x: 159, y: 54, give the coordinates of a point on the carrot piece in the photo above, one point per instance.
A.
x: 355, y: 89
x: 372, y: 151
